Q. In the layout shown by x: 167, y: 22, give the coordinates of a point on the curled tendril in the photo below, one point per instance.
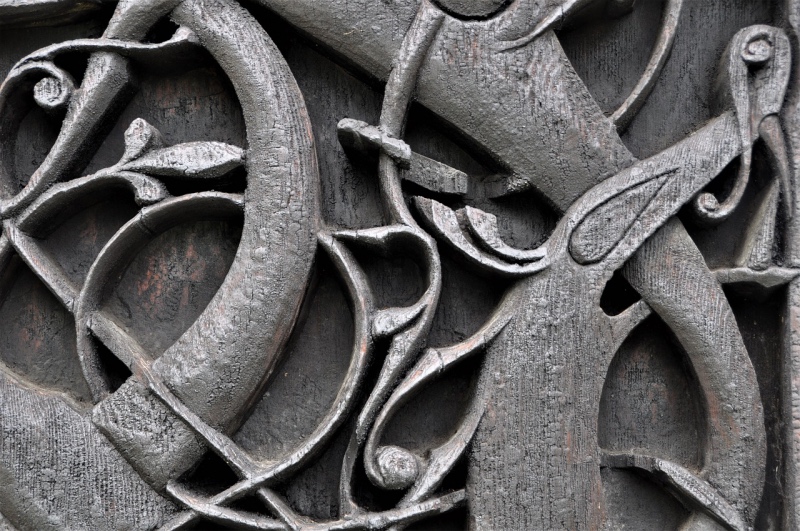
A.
x: 750, y: 51
x: 393, y: 469
x: 52, y: 89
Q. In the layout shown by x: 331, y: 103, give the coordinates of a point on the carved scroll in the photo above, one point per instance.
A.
x: 453, y: 350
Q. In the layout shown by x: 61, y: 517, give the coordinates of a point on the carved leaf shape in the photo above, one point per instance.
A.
x: 605, y: 226
x: 141, y: 137
x: 444, y: 225
x: 205, y: 160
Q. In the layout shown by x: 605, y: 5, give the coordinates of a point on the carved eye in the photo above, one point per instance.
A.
x: 758, y: 50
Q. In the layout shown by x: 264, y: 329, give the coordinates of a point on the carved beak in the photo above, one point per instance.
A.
x: 771, y: 133
x: 768, y: 92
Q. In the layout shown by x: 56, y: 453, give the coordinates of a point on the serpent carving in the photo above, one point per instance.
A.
x: 529, y: 438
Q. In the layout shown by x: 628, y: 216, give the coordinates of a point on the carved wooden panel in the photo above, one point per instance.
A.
x: 419, y: 264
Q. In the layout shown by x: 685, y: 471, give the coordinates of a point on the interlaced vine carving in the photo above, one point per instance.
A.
x: 529, y: 436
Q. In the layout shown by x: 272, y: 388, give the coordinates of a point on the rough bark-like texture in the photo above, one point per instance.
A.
x: 352, y: 264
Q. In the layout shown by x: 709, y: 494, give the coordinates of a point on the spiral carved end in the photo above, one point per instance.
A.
x: 398, y: 467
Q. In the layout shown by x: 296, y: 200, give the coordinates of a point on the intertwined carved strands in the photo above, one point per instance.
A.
x: 292, y: 264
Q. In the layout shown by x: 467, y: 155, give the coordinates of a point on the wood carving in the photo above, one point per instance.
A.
x: 323, y: 265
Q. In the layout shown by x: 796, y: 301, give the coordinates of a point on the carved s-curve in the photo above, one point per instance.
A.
x: 217, y: 367
x: 706, y: 328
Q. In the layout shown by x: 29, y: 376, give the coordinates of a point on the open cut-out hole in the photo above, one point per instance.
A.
x: 618, y: 295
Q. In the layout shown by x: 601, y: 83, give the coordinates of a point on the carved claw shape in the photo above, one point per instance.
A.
x: 554, y: 19
x: 445, y: 224
x: 483, y: 228
x: 684, y: 483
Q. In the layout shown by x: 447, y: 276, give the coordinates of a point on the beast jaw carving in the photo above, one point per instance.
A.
x: 546, y: 347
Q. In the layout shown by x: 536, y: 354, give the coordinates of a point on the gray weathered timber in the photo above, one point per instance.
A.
x: 265, y: 283
x: 487, y: 264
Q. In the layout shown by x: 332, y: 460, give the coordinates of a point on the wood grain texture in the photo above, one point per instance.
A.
x: 279, y: 264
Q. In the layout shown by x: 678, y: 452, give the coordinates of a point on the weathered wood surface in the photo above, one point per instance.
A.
x: 438, y: 264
